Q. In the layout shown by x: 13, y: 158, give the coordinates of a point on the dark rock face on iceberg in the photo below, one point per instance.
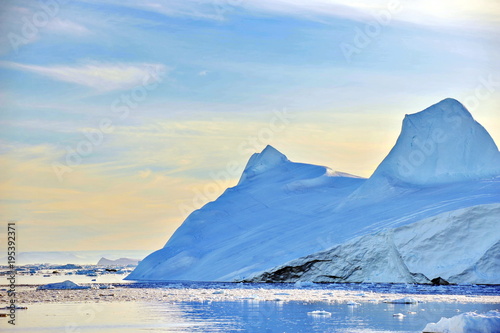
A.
x: 439, y: 281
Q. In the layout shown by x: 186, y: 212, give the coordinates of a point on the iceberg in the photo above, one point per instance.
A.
x: 439, y: 184
x: 61, y: 286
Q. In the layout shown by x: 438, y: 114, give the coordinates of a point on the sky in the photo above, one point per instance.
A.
x: 119, y: 117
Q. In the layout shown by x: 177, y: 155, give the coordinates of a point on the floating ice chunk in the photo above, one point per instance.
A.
x: 320, y: 313
x: 404, y: 300
x: 352, y: 303
x: 467, y: 322
x: 398, y: 315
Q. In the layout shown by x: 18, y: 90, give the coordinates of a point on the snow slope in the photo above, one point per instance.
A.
x: 281, y: 210
x: 449, y: 245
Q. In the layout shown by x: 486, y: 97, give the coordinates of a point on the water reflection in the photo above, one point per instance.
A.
x: 254, y: 316
x: 243, y: 316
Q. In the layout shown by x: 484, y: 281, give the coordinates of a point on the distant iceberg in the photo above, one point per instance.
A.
x: 61, y: 285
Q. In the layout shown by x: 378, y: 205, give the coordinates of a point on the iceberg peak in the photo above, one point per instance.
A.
x: 441, y: 144
x: 258, y: 163
x: 271, y: 152
x: 441, y: 114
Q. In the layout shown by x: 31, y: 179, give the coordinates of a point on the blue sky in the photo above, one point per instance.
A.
x: 155, y: 98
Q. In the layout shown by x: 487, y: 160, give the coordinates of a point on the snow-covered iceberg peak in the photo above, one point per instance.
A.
x: 441, y: 144
x: 258, y: 163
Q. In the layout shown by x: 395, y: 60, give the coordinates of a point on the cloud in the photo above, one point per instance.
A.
x: 204, y: 9
x: 425, y: 12
x: 68, y: 27
x: 25, y: 22
x: 99, y: 76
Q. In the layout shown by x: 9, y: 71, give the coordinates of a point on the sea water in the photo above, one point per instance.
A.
x: 249, y: 315
x: 241, y: 316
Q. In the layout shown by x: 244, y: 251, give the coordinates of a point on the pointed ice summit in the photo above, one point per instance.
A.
x: 260, y: 162
x: 441, y: 144
x: 252, y: 226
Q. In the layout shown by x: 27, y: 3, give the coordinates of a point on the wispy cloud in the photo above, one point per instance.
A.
x: 99, y: 76
x: 444, y: 8
x: 203, y: 9
x: 26, y: 22
x: 68, y: 27
x: 428, y: 12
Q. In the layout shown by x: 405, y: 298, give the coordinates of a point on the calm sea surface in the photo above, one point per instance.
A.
x: 248, y: 315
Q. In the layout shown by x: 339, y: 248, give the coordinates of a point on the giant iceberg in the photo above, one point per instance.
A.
x: 439, y: 184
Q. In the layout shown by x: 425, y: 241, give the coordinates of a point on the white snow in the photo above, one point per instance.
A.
x: 467, y: 322
x: 61, y: 285
x: 281, y: 210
